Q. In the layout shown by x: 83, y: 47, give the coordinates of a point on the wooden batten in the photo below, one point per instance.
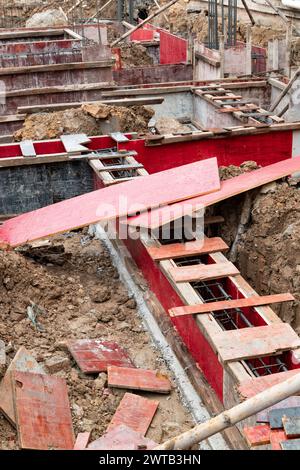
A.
x: 203, y: 272
x: 178, y: 250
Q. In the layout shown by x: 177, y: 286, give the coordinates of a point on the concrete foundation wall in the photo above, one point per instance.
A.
x: 177, y: 105
x: 27, y: 188
x: 208, y: 116
x: 155, y: 74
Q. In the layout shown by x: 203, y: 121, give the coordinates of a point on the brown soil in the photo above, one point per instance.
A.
x: 74, y: 121
x: 83, y: 298
x: 268, y: 251
x: 166, y: 125
x: 134, y: 55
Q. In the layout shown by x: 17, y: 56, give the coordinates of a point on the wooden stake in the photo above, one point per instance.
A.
x: 285, y: 90
x: 249, y: 12
x: 228, y: 418
x: 128, y: 33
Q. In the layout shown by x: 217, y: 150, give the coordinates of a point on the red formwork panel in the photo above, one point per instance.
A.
x: 197, y: 344
x: 264, y: 149
x: 173, y: 50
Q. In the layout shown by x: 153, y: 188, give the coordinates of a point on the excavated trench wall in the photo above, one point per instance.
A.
x: 267, y: 251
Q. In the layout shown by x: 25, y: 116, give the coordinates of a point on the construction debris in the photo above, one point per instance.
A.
x: 91, y: 120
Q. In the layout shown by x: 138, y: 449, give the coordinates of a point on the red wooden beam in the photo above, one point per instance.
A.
x: 229, y: 188
x: 135, y: 412
x: 43, y: 413
x: 151, y: 191
x: 255, y: 301
x: 178, y: 250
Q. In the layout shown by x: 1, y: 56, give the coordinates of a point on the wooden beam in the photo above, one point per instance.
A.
x: 203, y: 272
x: 259, y: 341
x: 56, y: 67
x: 142, y: 23
x: 179, y: 250
x: 62, y: 106
x: 230, y: 304
x: 60, y: 89
x: 161, y: 188
x: 133, y: 166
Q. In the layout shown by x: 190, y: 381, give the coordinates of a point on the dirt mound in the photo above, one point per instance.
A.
x: 134, y: 55
x: 83, y: 298
x: 166, y: 125
x: 74, y: 121
x: 227, y: 172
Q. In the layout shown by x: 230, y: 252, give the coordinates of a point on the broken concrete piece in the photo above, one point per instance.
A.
x: 23, y: 362
x: 94, y: 356
x: 56, y: 364
x: 122, y: 438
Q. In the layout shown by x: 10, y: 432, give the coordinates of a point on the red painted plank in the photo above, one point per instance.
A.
x: 229, y: 188
x: 93, y: 355
x: 138, y: 379
x: 43, y: 413
x: 178, y: 250
x: 135, y: 412
x: 257, y: 435
x: 276, y: 437
x: 115, y: 201
x: 235, y: 345
x: 122, y: 438
x: 263, y: 416
x: 251, y: 387
x: 82, y: 441
x: 254, y: 301
x: 203, y: 272
x: 22, y: 362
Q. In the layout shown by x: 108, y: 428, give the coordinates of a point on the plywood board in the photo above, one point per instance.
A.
x: 276, y: 416
x: 229, y: 188
x: 203, y: 272
x: 258, y: 341
x: 43, y: 413
x: 138, y: 379
x: 263, y: 416
x: 179, y: 250
x: 122, y: 438
x: 250, y: 388
x: 118, y: 200
x: 257, y: 435
x: 94, y: 356
x: 291, y: 426
x: 277, y: 436
x: 135, y: 412
x: 82, y: 441
x: 23, y: 362
x: 254, y: 301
